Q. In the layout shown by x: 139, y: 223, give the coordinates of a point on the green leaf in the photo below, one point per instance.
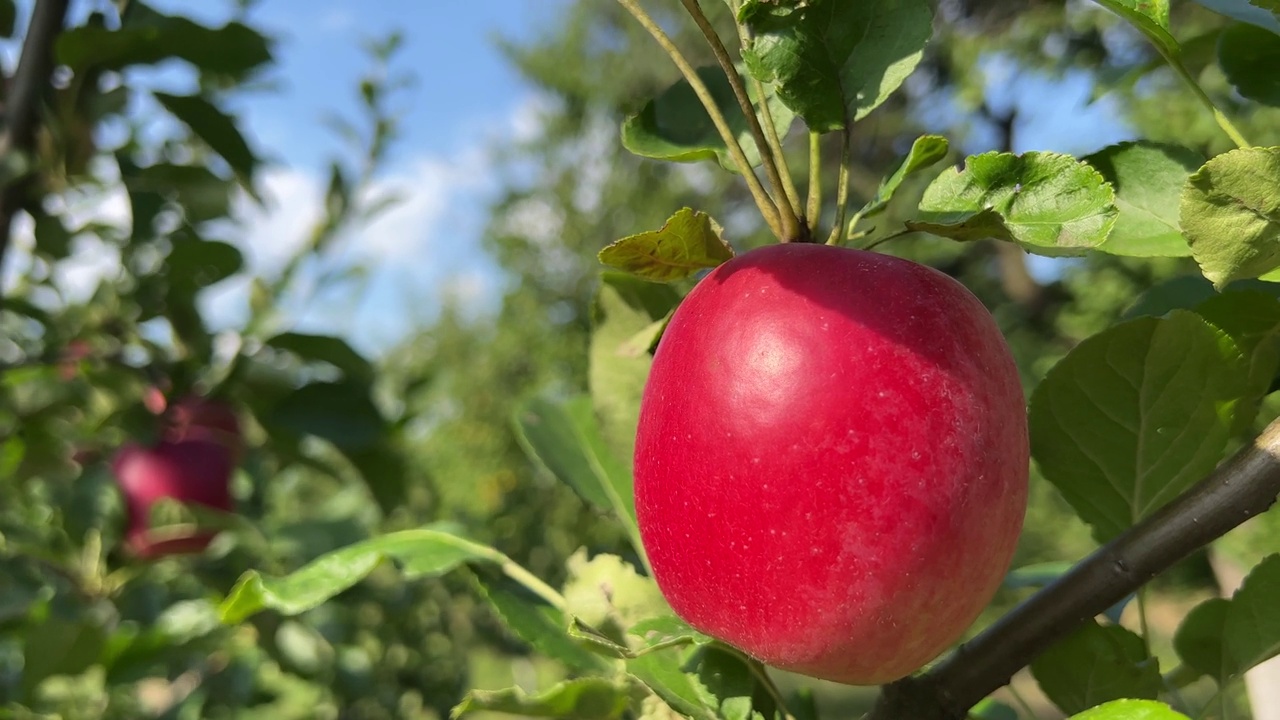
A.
x: 1198, y: 640
x: 1131, y: 710
x: 1149, y: 16
x: 1147, y: 178
x: 1252, y: 630
x: 543, y: 626
x: 583, y: 699
x: 1261, y: 13
x: 217, y: 129
x: 1252, y: 319
x: 1134, y: 415
x: 1094, y: 665
x: 148, y: 37
x: 340, y: 412
x: 1248, y: 56
x: 666, y: 630
x: 420, y: 552
x: 565, y: 438
x: 1187, y: 292
x: 834, y: 61
x: 675, y: 125
x: 58, y: 645
x: 624, y: 306
x: 925, y: 152
x: 709, y: 682
x: 1230, y: 213
x: 327, y: 349
x: 608, y: 594
x: 1050, y: 204
x: 688, y: 242
x: 382, y: 466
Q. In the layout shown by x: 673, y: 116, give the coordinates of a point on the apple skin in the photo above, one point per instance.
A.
x: 190, y: 471
x: 831, y: 461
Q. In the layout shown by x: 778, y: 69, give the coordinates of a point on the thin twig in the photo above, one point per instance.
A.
x: 1240, y: 488
x: 22, y: 105
x: 767, y: 207
x: 787, y: 213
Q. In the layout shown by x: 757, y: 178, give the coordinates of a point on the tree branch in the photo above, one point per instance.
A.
x: 22, y: 109
x: 1240, y: 488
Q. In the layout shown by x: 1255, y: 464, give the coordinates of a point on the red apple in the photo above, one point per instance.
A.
x: 199, y: 418
x: 831, y: 464
x: 190, y: 471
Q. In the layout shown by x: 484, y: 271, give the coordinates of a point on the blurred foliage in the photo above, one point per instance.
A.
x: 87, y: 632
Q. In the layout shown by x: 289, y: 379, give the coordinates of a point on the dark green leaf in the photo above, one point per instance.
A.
x: 1252, y: 630
x: 327, y: 349
x: 8, y: 17
x: 1186, y: 293
x: 688, y: 242
x: 1131, y: 710
x: 201, y: 194
x: 1199, y: 639
x: 420, y: 552
x: 1094, y: 665
x: 583, y: 699
x: 382, y: 465
x: 537, y: 622
x: 340, y: 412
x: 675, y: 125
x: 194, y: 264
x: 235, y: 49
x: 565, y: 438
x: 53, y: 240
x: 1134, y: 415
x: 624, y: 306
x: 1230, y: 213
x: 1249, y: 56
x: 663, y: 672
x: 834, y: 61
x: 1048, y: 203
x: 1252, y: 319
x: 1147, y: 178
x: 217, y: 129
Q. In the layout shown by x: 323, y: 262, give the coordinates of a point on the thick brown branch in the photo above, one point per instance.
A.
x: 22, y: 109
x: 1242, y: 487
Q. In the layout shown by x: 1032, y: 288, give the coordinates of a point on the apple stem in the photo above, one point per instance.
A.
x: 768, y: 209
x: 1244, y: 486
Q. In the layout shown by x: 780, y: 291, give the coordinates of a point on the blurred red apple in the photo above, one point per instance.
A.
x: 199, y: 418
x: 191, y: 471
x: 831, y: 464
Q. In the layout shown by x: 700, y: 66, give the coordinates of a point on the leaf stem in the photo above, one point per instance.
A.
x: 1219, y: 117
x: 842, y: 187
x: 533, y: 583
x: 1143, y: 626
x: 787, y: 213
x: 1021, y: 699
x: 775, y: 147
x: 813, y: 208
x: 768, y: 209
